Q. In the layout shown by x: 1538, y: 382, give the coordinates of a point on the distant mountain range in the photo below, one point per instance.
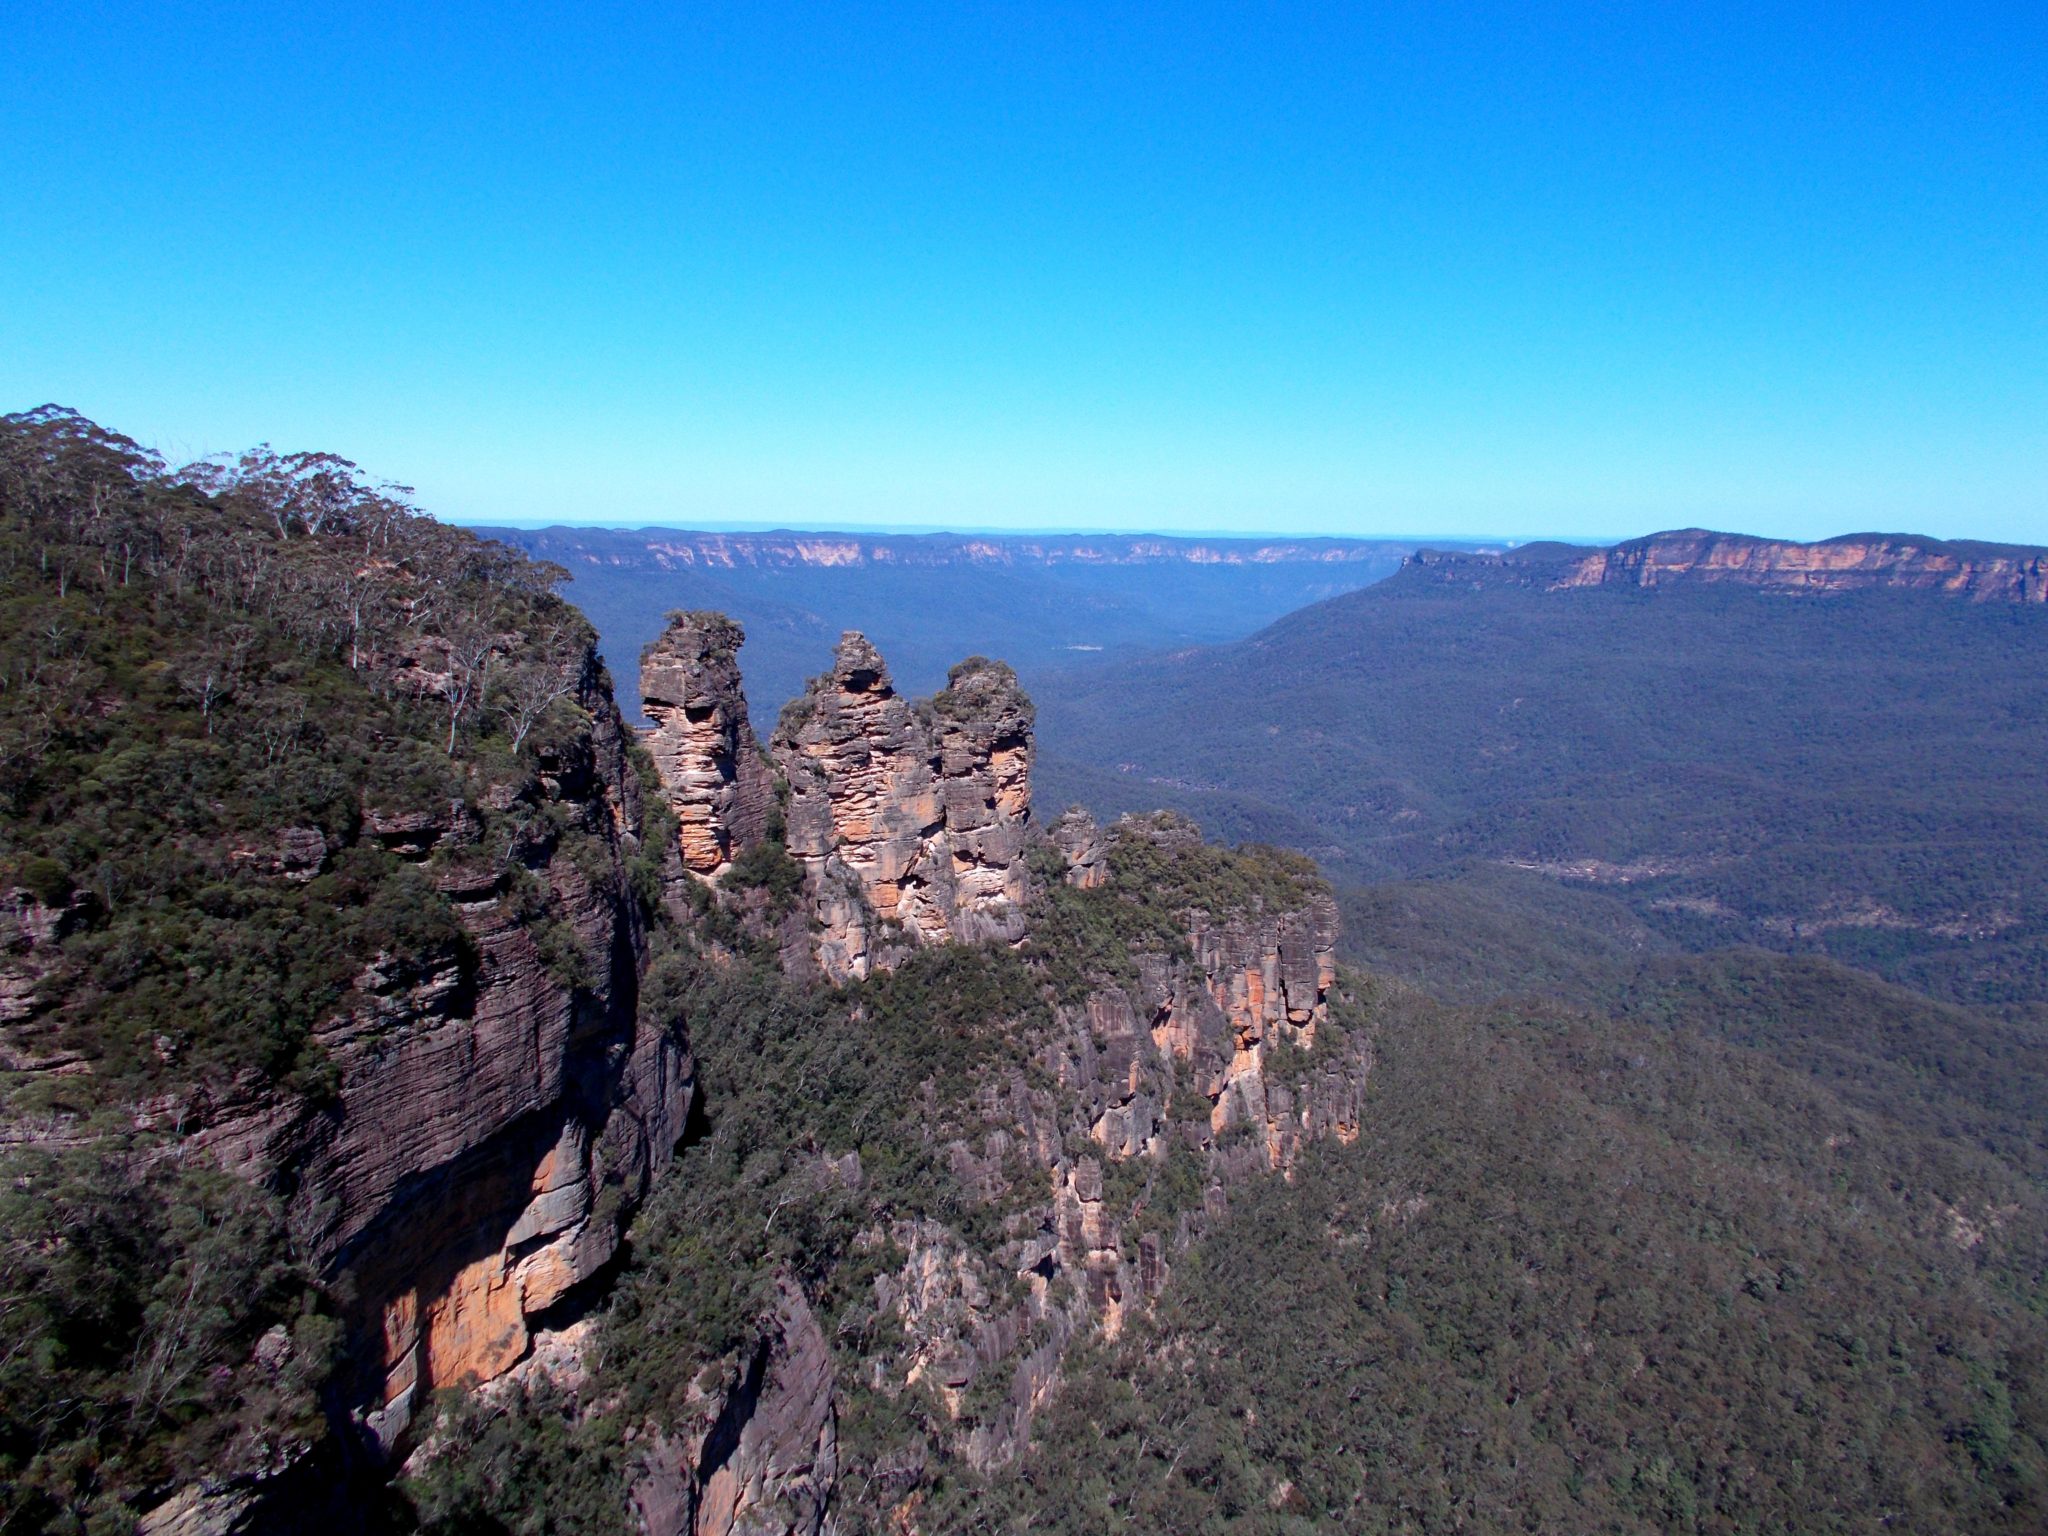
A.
x: 1038, y: 601
x: 1855, y: 562
x: 1832, y: 746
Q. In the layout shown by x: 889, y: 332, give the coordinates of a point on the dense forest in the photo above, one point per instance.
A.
x: 1855, y: 774
x: 1556, y: 1212
x: 1580, y: 1276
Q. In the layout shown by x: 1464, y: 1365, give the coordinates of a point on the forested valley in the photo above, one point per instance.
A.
x: 429, y: 1104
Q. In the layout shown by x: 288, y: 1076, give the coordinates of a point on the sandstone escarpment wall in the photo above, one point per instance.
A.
x: 493, y: 1121
x: 1854, y: 563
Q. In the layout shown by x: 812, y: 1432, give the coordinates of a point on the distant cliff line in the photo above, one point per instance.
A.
x: 685, y: 549
x: 1978, y: 572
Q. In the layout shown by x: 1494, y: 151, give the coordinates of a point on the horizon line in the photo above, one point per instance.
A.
x: 960, y: 530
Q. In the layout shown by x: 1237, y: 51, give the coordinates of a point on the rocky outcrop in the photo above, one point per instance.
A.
x: 759, y: 1457
x: 1219, y: 1065
x: 909, y: 820
x: 712, y: 772
x: 497, y: 1110
x: 1855, y: 562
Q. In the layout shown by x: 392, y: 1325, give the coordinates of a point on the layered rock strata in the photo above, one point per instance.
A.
x: 1858, y: 562
x: 909, y: 821
x: 712, y: 771
x: 497, y: 1112
x: 1855, y: 562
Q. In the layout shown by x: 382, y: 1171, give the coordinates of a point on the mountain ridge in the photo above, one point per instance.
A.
x: 1980, y: 571
x: 679, y: 548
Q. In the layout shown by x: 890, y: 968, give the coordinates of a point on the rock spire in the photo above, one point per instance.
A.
x: 909, y: 820
x: 712, y: 771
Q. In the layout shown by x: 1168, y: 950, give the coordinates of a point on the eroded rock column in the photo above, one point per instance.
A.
x: 702, y: 743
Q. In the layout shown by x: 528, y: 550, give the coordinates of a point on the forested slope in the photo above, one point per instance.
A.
x: 1580, y: 1276
x: 428, y: 1108
x: 1854, y: 772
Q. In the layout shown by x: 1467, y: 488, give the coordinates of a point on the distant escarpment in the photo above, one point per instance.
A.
x: 1854, y: 562
x: 686, y: 549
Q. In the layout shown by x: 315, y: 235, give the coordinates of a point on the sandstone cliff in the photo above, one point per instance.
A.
x: 909, y: 821
x: 496, y: 1114
x: 702, y: 743
x: 1855, y: 562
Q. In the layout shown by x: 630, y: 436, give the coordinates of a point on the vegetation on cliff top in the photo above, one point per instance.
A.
x: 225, y: 692
x: 256, y: 717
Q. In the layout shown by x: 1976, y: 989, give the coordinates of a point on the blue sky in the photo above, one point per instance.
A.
x: 1357, y: 269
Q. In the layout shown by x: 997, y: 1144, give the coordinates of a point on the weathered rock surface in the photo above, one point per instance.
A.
x: 1855, y: 562
x: 909, y: 821
x: 712, y: 771
x: 758, y: 1458
x: 1226, y: 1055
x: 494, y: 1121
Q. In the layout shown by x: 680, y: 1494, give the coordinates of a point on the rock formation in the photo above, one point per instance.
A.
x: 1211, y: 1057
x: 1855, y: 562
x: 909, y: 821
x: 760, y: 1457
x: 494, y: 1120
x: 703, y: 746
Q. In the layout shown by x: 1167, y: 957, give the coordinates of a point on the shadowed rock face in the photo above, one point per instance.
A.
x: 759, y: 1457
x: 909, y: 820
x: 494, y: 1124
x: 702, y: 744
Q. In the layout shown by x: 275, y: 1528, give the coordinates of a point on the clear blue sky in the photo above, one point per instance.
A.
x: 1477, y: 270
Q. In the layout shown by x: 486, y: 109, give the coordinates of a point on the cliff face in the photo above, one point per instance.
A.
x: 759, y: 1458
x: 1205, y: 1071
x: 1217, y: 1060
x: 702, y: 743
x: 496, y: 1114
x: 909, y: 822
x: 1857, y: 562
